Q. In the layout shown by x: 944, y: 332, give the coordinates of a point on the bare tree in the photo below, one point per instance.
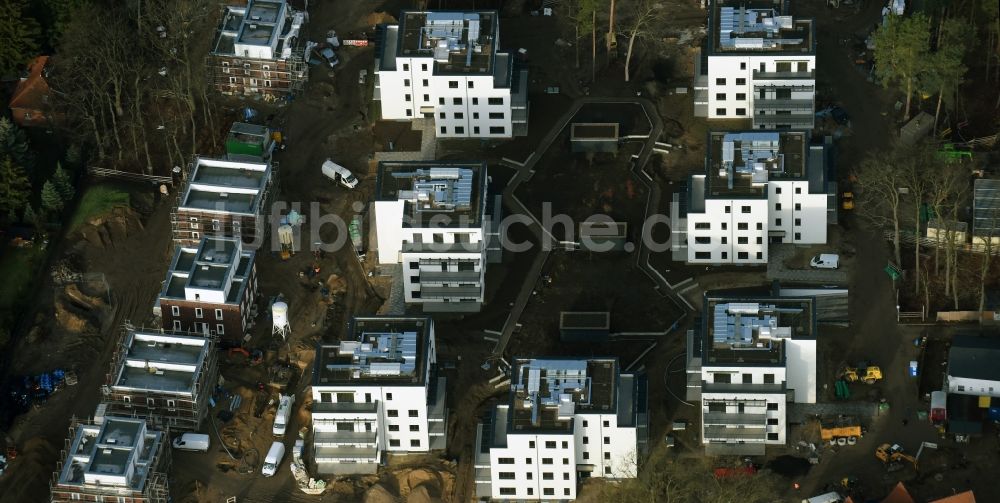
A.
x: 645, y: 13
x: 879, y: 182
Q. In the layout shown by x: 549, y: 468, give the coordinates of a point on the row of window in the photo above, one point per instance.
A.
x: 394, y: 442
x: 151, y: 402
x: 530, y: 475
x: 475, y: 115
x: 528, y: 461
x: 740, y: 81
x: 721, y: 112
x: 722, y: 96
x: 253, y: 82
x: 547, y: 491
x: 348, y: 397
x: 475, y: 130
x: 413, y: 427
x: 727, y: 378
x: 742, y: 240
x: 200, y: 328
x: 704, y: 226
x: 704, y: 255
x: 198, y: 312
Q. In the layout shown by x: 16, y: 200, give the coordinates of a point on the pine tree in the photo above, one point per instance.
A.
x: 51, y: 199
x: 63, y: 183
x: 14, y: 143
x: 30, y: 217
x: 902, y: 47
x: 14, y: 186
x: 19, y: 33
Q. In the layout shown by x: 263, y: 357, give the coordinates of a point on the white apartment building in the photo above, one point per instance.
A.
x: 447, y: 65
x: 760, y: 187
x: 758, y: 63
x: 567, y: 419
x: 375, y: 393
x: 972, y: 366
x: 751, y: 357
x: 431, y: 217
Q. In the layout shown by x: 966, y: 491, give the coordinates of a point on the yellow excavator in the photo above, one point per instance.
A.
x: 869, y: 374
x: 892, y: 456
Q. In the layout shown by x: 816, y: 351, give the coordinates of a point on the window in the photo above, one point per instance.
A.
x: 777, y: 222
x: 742, y: 226
x: 772, y: 406
x: 177, y: 325
x: 961, y: 387
x: 409, y: 112
x: 406, y: 82
x: 496, y: 115
x: 798, y: 236
x: 798, y: 190
x: 531, y: 444
x: 220, y: 329
x: 442, y: 115
x: 198, y: 313
x: 772, y: 436
x: 783, y: 66
x: 508, y: 491
x: 565, y: 461
x: 456, y: 101
x: 505, y: 461
x: 459, y: 129
x: 406, y: 67
x: 415, y: 443
x: 743, y: 255
x: 607, y: 455
x: 444, y: 129
x: 760, y: 226
x: 760, y: 240
x: 725, y: 240
x: 218, y: 314
x: 768, y: 378
x: 440, y: 101
x: 798, y: 206
x: 703, y: 240
x: 497, y: 130
x: 729, y: 209
x: 586, y: 455
x: 702, y: 255
x: 798, y: 221
x: 453, y: 84
x: 546, y: 461
x: 724, y: 225
x: 470, y: 84
x: 741, y: 96
x: 760, y: 255
x: 530, y: 476
x: 495, y: 101
x: 393, y: 442
x: 703, y: 225
x: 720, y: 96
x: 720, y: 111
x: 565, y: 444
x: 393, y: 427
x: 547, y: 476
x: 175, y: 310
x: 725, y: 255
x: 550, y: 444
x: 475, y: 101
x: 475, y: 115
x: 475, y: 129
x: 566, y: 489
x: 803, y: 66
x: 747, y: 378
x: 777, y: 206
x: 586, y: 440
x: 393, y: 413
x: 772, y: 421
x: 741, y: 111
x: 607, y: 440
x: 506, y: 476
x: 745, y: 209
x: 720, y: 82
x: 743, y: 65
x: 413, y: 413
x: 741, y: 82
x: 531, y: 490
x: 423, y: 68
x: 548, y: 491
x: 607, y: 470
x: 407, y: 97
x: 414, y: 427
x: 741, y: 240
x: 459, y: 115
x: 527, y: 461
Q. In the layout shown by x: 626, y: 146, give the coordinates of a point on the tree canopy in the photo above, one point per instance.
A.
x: 902, y: 46
x: 19, y: 34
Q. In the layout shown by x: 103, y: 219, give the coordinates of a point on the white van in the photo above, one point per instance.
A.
x: 192, y: 442
x: 830, y: 497
x: 284, y: 412
x: 825, y: 261
x: 339, y: 174
x: 273, y: 459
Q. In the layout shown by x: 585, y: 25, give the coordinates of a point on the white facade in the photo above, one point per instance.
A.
x: 264, y: 29
x: 541, y: 457
x: 761, y: 69
x: 779, y: 196
x: 467, y: 86
x: 376, y: 395
x: 972, y: 367
x: 439, y: 242
x: 756, y: 355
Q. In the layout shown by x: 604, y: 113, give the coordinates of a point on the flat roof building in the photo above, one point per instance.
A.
x: 163, y: 377
x: 210, y: 289
x: 564, y: 417
x: 118, y: 459
x: 759, y: 187
x: 376, y: 392
x: 758, y: 64
x: 751, y: 356
x: 431, y: 218
x: 446, y: 65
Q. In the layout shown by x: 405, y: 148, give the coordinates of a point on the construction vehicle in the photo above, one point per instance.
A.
x: 847, y: 200
x: 840, y: 430
x: 865, y: 372
x: 892, y: 456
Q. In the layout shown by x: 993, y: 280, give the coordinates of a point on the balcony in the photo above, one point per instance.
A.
x: 722, y: 433
x: 351, y: 409
x: 794, y: 121
x: 782, y: 104
x: 451, y: 292
x: 426, y: 278
x: 325, y: 454
x: 759, y: 75
x: 733, y: 419
x: 335, y: 438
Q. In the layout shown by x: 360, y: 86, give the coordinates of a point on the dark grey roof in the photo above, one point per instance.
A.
x: 975, y: 357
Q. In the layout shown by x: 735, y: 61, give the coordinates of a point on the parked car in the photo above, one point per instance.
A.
x: 362, y: 76
x: 284, y: 412
x: 339, y: 174
x: 327, y: 55
x: 825, y: 261
x: 273, y: 459
x: 192, y: 442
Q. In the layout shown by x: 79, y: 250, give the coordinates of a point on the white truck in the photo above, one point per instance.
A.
x: 825, y: 261
x: 273, y: 459
x: 192, y: 442
x: 339, y: 174
x: 282, y: 415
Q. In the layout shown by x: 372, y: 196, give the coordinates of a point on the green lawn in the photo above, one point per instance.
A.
x: 96, y: 201
x: 17, y: 268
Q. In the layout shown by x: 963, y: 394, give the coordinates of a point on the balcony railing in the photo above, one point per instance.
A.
x: 333, y: 438
x: 344, y: 407
x: 723, y: 418
x: 759, y: 75
x: 782, y: 104
x: 788, y: 120
x: 744, y: 434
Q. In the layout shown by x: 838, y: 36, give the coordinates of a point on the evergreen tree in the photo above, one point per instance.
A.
x: 14, y: 143
x: 51, y: 199
x: 14, y: 186
x: 902, y: 47
x: 19, y: 35
x: 63, y: 183
x: 30, y: 217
